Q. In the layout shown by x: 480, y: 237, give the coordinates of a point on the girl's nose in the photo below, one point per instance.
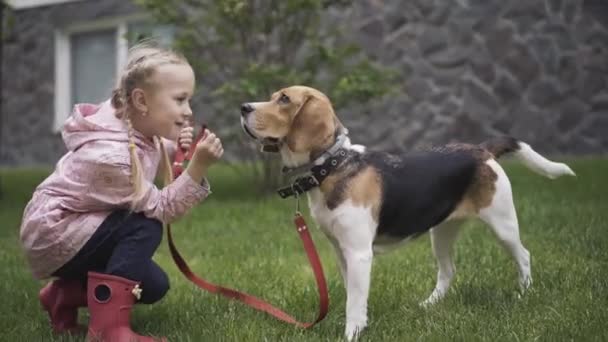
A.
x: 188, y: 111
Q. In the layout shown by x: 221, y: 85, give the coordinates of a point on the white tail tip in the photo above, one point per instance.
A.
x: 540, y: 164
x: 561, y: 169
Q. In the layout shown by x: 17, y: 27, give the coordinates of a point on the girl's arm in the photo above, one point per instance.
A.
x: 106, y: 185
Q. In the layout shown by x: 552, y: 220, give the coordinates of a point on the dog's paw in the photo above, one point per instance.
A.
x: 354, y: 330
x: 432, y: 300
x: 525, y: 286
x: 427, y: 303
x: 525, y: 283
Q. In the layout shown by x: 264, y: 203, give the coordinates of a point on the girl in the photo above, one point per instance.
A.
x: 96, y: 221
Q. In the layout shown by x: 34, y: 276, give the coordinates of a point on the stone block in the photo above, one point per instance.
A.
x: 432, y: 40
x: 479, y: 100
x: 452, y: 57
x: 571, y: 114
x: 507, y: 89
x: 544, y: 93
x: 522, y: 64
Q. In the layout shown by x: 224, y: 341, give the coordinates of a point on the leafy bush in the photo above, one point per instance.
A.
x: 244, y: 50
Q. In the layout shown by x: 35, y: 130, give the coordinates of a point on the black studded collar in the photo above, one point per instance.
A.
x: 317, y: 174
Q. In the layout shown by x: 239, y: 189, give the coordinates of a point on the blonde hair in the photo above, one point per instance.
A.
x: 143, y: 60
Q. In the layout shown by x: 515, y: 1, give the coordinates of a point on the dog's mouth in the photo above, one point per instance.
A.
x: 271, y: 145
x: 248, y: 130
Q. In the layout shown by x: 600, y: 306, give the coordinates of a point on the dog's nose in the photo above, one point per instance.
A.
x: 246, y: 108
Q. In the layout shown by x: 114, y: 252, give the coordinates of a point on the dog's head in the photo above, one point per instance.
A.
x: 300, y: 118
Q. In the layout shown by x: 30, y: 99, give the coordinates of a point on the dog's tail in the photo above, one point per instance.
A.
x: 524, y: 153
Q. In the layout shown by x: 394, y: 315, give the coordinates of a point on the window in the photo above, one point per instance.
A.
x: 93, y: 65
x: 89, y: 58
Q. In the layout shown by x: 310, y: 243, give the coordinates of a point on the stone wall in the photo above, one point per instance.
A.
x: 471, y: 69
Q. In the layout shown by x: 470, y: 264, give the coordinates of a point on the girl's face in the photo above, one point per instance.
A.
x: 167, y: 100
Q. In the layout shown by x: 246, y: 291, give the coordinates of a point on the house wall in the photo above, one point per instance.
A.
x: 471, y: 68
x: 28, y: 78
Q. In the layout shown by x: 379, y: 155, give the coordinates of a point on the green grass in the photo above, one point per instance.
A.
x: 242, y: 240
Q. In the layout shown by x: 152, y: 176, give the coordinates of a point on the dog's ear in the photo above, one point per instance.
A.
x: 312, y: 124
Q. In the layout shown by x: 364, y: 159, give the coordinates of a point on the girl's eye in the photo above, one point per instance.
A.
x: 181, y: 99
x: 284, y: 99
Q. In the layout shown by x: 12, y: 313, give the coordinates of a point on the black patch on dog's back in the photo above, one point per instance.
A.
x: 419, y: 190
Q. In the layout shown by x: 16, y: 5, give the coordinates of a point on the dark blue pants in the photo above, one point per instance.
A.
x: 123, y: 245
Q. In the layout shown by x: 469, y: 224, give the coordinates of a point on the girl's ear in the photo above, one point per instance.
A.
x: 138, y: 97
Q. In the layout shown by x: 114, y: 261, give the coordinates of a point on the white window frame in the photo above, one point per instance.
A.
x: 63, y: 63
x: 24, y: 4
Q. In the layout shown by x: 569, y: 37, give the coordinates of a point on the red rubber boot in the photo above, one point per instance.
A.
x: 61, y: 298
x: 110, y: 299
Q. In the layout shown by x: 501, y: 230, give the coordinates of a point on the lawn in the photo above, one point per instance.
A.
x: 239, y: 239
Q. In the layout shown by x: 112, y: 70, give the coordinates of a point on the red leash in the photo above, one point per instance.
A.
x: 182, y: 156
x: 247, y: 299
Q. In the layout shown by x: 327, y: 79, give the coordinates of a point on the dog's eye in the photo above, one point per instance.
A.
x: 284, y: 99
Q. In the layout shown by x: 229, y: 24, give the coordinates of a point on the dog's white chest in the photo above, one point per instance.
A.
x: 346, y: 223
x: 319, y: 210
x: 354, y: 221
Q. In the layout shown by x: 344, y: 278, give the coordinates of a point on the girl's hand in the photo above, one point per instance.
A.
x: 209, y: 149
x: 186, y: 135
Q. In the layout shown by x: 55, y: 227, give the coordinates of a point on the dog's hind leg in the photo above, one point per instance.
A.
x: 502, y: 218
x: 442, y: 240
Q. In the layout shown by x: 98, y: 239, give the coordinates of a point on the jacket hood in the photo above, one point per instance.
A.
x: 93, y: 122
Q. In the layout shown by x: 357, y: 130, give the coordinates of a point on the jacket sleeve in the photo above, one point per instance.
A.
x: 110, y: 186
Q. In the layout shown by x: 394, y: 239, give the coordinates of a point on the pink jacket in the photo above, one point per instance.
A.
x: 90, y: 182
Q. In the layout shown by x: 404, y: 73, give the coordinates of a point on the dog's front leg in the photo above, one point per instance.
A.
x: 354, y: 228
x: 340, y: 257
x: 358, y: 272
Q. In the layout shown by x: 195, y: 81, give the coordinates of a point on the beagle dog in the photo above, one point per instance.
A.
x: 367, y: 202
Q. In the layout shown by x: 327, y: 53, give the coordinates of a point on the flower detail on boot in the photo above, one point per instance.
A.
x: 137, y: 292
